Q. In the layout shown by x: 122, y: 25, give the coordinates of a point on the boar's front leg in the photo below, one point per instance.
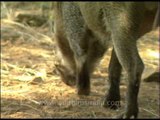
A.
x: 87, y: 47
x: 76, y: 33
x: 112, y: 99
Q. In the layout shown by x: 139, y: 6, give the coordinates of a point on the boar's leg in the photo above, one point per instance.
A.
x: 127, y: 53
x: 87, y: 48
x: 112, y: 99
x: 77, y: 35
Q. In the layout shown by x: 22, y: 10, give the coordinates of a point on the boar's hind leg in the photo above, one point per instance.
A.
x: 127, y: 53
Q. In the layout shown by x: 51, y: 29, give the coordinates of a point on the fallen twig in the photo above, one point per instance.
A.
x: 150, y: 112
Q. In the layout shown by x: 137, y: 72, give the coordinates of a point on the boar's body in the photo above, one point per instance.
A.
x: 83, y: 31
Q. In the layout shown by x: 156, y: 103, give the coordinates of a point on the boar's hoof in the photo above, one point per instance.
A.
x: 83, y: 91
x: 127, y: 116
x: 112, y: 102
x: 123, y: 116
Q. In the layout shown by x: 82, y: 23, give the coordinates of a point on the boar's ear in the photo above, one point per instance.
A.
x: 67, y: 78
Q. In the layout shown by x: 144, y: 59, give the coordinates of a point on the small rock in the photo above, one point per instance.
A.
x: 151, y: 75
x: 36, y: 80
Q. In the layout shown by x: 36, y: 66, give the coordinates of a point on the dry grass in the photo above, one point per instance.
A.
x: 31, y: 88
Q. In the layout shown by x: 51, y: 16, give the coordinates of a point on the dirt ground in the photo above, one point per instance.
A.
x: 31, y: 88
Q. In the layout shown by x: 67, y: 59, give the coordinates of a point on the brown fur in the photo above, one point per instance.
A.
x: 83, y: 32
